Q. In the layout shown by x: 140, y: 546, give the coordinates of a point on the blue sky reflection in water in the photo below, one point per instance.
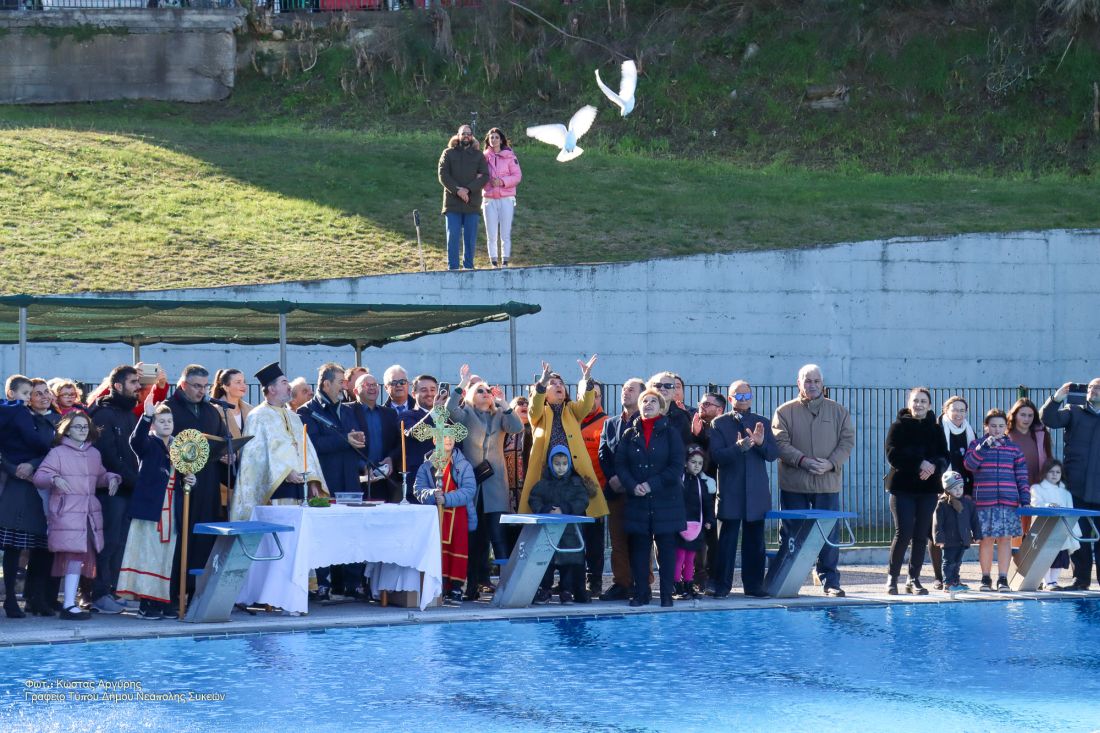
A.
x: 945, y: 667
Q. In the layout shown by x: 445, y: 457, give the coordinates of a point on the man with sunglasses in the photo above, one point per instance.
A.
x: 815, y: 437
x: 741, y: 446
x: 463, y: 172
x: 396, y: 381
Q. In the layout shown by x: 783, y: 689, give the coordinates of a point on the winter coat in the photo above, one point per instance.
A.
x: 23, y: 439
x: 505, y: 166
x: 610, y: 435
x: 680, y: 420
x: 570, y: 495
x: 909, y: 442
x: 328, y: 424
x: 1081, y: 452
x: 951, y: 528
x: 114, y: 415
x: 661, y: 465
x: 591, y: 432
x: 1000, y: 474
x: 541, y: 416
x: 415, y: 450
x: 154, y: 470
x: 1046, y: 494
x: 462, y: 168
x: 819, y: 428
x: 698, y: 506
x: 486, y: 443
x: 71, y: 515
x: 464, y: 493
x: 208, y: 480
x: 744, y: 491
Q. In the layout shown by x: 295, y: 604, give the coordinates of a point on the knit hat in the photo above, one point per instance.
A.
x: 951, y: 479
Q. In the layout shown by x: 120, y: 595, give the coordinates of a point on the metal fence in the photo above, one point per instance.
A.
x: 873, y: 409
x: 48, y: 5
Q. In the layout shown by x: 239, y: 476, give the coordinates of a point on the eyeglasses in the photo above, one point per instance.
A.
x: 398, y: 382
x: 523, y: 403
x: 665, y: 385
x: 742, y: 396
x: 715, y: 405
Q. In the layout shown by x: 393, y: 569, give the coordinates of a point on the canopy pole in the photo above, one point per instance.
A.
x: 282, y: 341
x: 358, y: 353
x: 512, y: 339
x: 22, y: 339
x: 137, y: 350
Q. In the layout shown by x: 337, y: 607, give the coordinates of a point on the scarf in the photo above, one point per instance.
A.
x: 949, y: 429
x: 647, y: 429
x: 956, y: 504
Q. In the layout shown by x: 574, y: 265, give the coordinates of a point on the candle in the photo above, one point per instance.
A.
x: 403, y: 467
x: 305, y: 450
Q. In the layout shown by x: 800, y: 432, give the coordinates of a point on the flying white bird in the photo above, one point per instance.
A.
x: 563, y: 137
x: 627, y: 84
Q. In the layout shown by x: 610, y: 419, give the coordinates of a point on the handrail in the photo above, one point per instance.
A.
x: 829, y: 542
x: 252, y: 557
x: 580, y: 536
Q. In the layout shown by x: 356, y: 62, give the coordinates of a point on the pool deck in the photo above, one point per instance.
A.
x: 863, y: 584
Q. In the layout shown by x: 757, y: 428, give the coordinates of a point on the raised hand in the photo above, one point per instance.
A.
x: 497, y: 393
x: 464, y: 374
x: 758, y: 434
x: 1062, y: 392
x: 586, y: 367
x: 149, y: 404
x: 545, y: 378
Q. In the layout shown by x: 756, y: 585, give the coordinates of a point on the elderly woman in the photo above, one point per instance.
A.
x: 649, y: 462
x: 917, y: 458
x: 489, y: 420
x: 957, y: 435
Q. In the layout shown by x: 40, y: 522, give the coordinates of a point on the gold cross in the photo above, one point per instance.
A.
x: 442, y: 428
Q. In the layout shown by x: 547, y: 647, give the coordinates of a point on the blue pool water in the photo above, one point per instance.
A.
x: 947, y: 667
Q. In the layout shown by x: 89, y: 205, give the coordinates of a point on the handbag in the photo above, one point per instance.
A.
x: 483, y: 472
x: 693, y: 528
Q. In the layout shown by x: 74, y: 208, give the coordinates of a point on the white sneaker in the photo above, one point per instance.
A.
x: 107, y: 604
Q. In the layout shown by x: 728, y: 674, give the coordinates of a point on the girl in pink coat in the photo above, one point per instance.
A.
x: 498, y: 199
x: 71, y: 471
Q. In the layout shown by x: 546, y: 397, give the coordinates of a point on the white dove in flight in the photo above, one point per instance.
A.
x: 627, y: 84
x: 563, y: 137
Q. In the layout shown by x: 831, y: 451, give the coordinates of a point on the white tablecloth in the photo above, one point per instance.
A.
x: 407, y: 536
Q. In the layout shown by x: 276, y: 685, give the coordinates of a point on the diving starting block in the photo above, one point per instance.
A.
x: 533, y: 553
x: 809, y: 531
x: 217, y: 587
x: 1050, y: 528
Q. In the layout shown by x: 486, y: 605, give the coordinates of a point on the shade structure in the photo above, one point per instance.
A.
x: 136, y: 321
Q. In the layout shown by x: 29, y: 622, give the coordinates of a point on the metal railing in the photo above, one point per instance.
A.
x: 48, y: 5
x: 873, y: 409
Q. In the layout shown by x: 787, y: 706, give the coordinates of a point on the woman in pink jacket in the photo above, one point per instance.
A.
x: 71, y: 471
x: 498, y: 201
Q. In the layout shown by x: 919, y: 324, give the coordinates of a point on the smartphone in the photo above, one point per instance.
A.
x: 1078, y: 394
x: 149, y: 373
x: 713, y: 388
x: 445, y: 387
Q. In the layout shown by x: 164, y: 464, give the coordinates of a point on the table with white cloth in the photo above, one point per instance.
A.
x: 403, y: 537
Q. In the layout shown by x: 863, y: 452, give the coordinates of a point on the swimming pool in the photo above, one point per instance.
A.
x: 944, y: 667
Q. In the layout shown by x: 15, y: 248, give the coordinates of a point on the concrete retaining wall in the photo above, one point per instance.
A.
x: 185, y: 55
x: 976, y: 309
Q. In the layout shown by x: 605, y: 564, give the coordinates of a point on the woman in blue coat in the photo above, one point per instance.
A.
x: 453, y: 488
x: 649, y: 462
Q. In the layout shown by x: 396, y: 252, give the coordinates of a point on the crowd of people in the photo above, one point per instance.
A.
x: 91, y: 500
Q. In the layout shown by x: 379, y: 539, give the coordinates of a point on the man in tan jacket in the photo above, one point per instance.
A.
x: 815, y: 437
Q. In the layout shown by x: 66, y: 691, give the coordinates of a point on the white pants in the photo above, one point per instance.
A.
x: 498, y: 225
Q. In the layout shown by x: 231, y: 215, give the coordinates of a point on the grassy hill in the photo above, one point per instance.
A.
x: 316, y: 174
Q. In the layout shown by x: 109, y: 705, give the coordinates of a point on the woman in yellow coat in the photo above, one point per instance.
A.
x: 555, y: 420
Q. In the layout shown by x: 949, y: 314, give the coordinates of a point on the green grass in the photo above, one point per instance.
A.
x: 138, y: 196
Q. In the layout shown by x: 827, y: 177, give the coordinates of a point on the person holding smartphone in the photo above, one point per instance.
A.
x: 1082, y: 463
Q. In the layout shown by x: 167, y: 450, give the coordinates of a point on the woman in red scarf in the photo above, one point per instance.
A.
x: 649, y: 462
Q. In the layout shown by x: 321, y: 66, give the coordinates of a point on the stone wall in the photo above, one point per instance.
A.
x: 57, y: 55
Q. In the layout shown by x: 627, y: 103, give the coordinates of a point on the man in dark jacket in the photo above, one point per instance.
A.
x: 1082, y: 462
x: 191, y: 410
x: 114, y: 415
x: 612, y: 433
x: 742, y: 445
x: 710, y: 407
x: 426, y: 390
x: 330, y: 426
x: 380, y: 427
x: 463, y: 172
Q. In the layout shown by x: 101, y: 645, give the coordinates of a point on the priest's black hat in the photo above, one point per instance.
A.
x: 269, y: 374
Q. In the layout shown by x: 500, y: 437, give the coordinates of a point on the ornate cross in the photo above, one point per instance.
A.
x: 443, y: 428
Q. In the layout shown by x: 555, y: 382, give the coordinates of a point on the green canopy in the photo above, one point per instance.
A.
x: 148, y: 321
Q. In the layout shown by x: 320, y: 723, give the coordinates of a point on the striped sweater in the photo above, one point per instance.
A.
x: 1000, y: 474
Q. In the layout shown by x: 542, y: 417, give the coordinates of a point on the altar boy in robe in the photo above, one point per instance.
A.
x: 272, y: 462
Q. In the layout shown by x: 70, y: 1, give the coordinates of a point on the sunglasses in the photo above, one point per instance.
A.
x: 480, y: 390
x: 665, y: 385
x: 742, y: 396
x: 399, y: 382
x: 524, y: 403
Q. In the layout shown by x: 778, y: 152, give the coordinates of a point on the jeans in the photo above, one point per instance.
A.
x: 593, y: 554
x: 829, y: 556
x: 952, y: 559
x: 498, y: 226
x: 640, y: 548
x: 461, y: 236
x: 116, y: 526
x: 752, y: 556
x: 912, y: 523
x: 489, y: 532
